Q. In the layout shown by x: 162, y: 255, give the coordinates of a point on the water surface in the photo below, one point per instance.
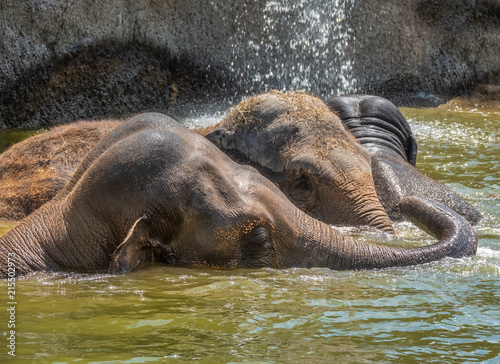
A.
x: 446, y: 311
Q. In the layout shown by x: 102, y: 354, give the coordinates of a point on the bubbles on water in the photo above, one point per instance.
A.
x: 488, y: 253
x: 201, y: 121
x: 299, y: 45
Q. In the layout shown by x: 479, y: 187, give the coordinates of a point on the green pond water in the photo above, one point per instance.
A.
x: 443, y: 312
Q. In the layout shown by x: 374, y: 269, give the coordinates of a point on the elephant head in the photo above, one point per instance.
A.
x: 296, y: 142
x: 380, y: 127
x: 152, y: 191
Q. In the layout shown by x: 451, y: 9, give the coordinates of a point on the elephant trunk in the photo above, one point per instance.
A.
x: 324, y: 246
x: 22, y: 250
x: 361, y: 204
x: 368, y: 209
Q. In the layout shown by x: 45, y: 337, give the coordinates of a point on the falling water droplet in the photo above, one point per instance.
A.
x: 303, y: 46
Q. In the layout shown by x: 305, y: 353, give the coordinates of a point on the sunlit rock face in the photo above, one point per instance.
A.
x: 66, y: 60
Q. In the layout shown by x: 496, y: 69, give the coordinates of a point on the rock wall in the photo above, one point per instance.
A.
x: 443, y: 47
x: 81, y: 59
x: 63, y: 60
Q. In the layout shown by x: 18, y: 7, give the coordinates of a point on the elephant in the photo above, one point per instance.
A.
x: 295, y: 141
x: 380, y: 127
x: 34, y: 170
x: 289, y: 138
x: 154, y: 191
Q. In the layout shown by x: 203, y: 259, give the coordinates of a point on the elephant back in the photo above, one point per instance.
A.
x: 377, y: 124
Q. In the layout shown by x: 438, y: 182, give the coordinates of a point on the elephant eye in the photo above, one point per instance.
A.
x: 257, y: 247
x: 301, y: 189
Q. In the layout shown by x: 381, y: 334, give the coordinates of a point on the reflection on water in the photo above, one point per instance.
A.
x: 264, y: 315
x: 445, y: 311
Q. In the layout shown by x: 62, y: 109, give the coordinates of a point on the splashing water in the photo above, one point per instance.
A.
x: 300, y: 47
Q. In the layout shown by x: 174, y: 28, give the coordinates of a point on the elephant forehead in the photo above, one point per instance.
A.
x: 257, y: 110
x: 326, y: 161
x: 286, y: 135
x: 235, y: 190
x: 266, y: 109
x: 321, y: 140
x: 331, y: 148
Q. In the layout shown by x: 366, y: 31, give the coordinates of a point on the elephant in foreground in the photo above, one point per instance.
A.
x: 292, y: 139
x: 153, y: 191
x: 380, y: 127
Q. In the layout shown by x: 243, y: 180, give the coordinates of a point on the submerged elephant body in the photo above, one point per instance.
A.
x: 152, y: 191
x: 33, y: 171
x: 379, y: 126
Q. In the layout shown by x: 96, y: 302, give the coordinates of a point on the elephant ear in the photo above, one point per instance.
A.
x: 411, y: 150
x: 134, y: 250
x: 226, y: 141
x: 222, y: 138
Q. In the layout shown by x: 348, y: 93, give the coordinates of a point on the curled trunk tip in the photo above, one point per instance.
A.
x: 454, y: 232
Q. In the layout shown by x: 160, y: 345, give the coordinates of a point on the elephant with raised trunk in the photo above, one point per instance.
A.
x: 152, y: 191
x: 380, y: 127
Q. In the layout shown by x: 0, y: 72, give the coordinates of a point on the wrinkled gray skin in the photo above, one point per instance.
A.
x: 380, y: 127
x: 152, y: 191
x: 296, y: 142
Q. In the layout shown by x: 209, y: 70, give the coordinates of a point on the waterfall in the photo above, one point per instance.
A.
x: 299, y: 45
